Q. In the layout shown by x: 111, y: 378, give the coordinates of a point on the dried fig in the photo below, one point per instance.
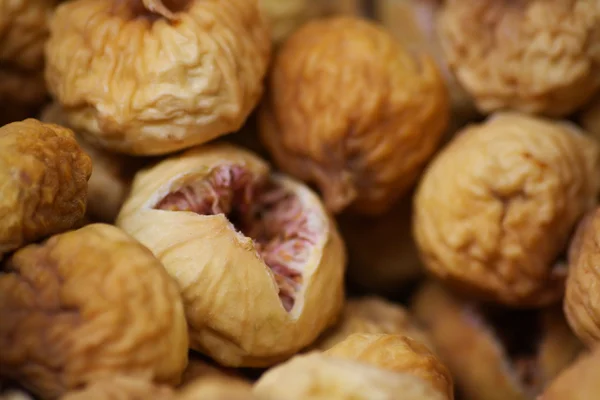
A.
x: 518, y: 185
x: 581, y: 303
x: 320, y: 377
x: 536, y: 56
x: 43, y: 175
x: 122, y: 388
x: 581, y: 381
x: 396, y: 353
x: 247, y: 247
x: 24, y: 31
x: 151, y: 76
x: 88, y: 304
x: 382, y: 252
x: 413, y: 23
x: 372, y: 315
x: 360, y: 121
x: 111, y: 177
x: 496, y: 354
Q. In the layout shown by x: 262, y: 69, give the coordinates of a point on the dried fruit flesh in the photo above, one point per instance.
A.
x: 535, y: 56
x: 72, y: 313
x: 518, y: 185
x: 492, y: 353
x: 145, y: 93
x: 44, y: 176
x: 219, y: 208
x: 363, y: 149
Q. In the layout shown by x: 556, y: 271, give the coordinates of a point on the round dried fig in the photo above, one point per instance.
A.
x: 320, y: 377
x: 87, y: 304
x: 152, y: 76
x: 413, y: 23
x: 496, y: 207
x: 122, y: 388
x: 43, y: 182
x: 589, y: 118
x: 536, y: 56
x: 372, y: 315
x: 396, y: 353
x: 381, y: 250
x: 581, y: 303
x: 24, y: 31
x: 359, y: 121
x: 111, y: 177
x: 496, y: 354
x: 581, y: 381
x: 247, y: 247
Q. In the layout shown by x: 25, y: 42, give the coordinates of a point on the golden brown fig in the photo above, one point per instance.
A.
x: 536, y: 56
x: 496, y: 354
x: 496, y: 207
x: 382, y: 252
x: 85, y: 305
x: 581, y: 381
x: 111, y: 177
x: 396, y: 353
x: 372, y: 315
x: 581, y: 303
x: 320, y: 377
x: 359, y: 121
x: 122, y: 388
x: 247, y: 247
x: 413, y: 23
x: 43, y: 182
x: 159, y: 76
x: 24, y: 31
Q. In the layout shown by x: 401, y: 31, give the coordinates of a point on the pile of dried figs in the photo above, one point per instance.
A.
x: 299, y: 199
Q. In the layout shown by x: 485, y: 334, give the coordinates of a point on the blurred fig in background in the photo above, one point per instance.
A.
x: 383, y: 257
x: 351, y: 111
x: 495, y: 209
x: 535, y: 56
x: 112, y: 173
x: 161, y: 96
x: 493, y: 353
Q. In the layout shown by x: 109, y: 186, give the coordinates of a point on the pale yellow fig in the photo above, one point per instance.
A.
x: 258, y: 260
x: 152, y: 77
x: 317, y: 376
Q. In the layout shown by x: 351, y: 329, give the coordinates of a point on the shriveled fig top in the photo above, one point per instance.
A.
x: 495, y: 209
x: 495, y: 353
x: 372, y: 315
x: 581, y: 381
x: 159, y: 75
x: 85, y: 305
x: 44, y: 176
x: 581, y: 302
x: 349, y: 109
x: 396, y: 353
x: 536, y: 56
x: 321, y: 377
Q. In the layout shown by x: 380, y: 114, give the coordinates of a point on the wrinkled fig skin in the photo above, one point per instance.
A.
x: 372, y: 315
x: 536, y: 56
x: 24, y: 31
x: 582, y: 298
x: 72, y: 313
x: 581, y: 381
x: 317, y: 376
x: 145, y: 94
x: 396, y: 353
x: 488, y: 358
x: 517, y: 185
x: 358, y: 121
x: 111, y: 177
x: 198, y: 247
x: 413, y: 23
x: 43, y: 175
x: 382, y: 252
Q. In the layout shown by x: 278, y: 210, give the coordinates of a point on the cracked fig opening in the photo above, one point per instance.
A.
x: 260, y: 208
